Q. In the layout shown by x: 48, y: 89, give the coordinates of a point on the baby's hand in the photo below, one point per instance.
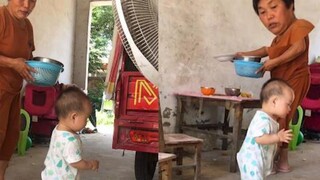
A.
x: 95, y: 165
x: 285, y: 135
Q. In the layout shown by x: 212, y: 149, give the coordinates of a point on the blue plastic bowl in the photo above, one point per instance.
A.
x: 248, y: 68
x: 46, y: 73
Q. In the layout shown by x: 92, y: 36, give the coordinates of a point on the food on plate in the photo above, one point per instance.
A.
x: 246, y: 94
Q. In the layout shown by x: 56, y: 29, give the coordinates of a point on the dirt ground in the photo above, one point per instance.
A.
x: 305, y: 162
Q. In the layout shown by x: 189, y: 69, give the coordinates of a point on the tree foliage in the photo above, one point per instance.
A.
x: 102, y: 24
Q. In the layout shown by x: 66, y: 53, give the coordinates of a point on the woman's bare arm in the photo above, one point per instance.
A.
x: 294, y: 51
x: 19, y: 65
x: 262, y: 52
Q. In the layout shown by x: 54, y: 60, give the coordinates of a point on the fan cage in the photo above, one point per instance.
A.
x: 142, y: 20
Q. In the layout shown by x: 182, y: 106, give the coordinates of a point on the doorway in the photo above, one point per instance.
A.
x: 100, y: 33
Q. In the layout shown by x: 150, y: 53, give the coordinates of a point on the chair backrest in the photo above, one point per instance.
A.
x: 295, y: 125
x: 25, y: 120
x: 40, y: 101
x: 24, y: 131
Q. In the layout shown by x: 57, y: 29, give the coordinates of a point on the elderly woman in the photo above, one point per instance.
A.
x: 16, y: 45
x: 288, y: 55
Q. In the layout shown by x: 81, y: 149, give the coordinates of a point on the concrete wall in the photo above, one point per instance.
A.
x: 191, y: 32
x: 83, y: 11
x: 53, y: 25
x: 314, y: 51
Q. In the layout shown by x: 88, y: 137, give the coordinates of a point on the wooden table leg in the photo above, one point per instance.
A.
x: 179, y: 119
x: 237, y: 123
x: 165, y: 166
x: 179, y: 159
x: 197, y: 160
x: 225, y: 129
x: 166, y: 170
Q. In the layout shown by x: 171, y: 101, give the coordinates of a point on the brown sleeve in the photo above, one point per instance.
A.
x: 300, y: 29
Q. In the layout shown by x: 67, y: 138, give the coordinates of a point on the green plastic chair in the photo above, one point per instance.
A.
x: 295, y: 125
x: 23, y: 138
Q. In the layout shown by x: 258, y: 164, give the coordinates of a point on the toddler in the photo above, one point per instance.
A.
x: 64, y: 159
x: 256, y: 156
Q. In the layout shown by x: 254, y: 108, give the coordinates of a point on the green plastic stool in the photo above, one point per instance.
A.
x: 23, y: 138
x: 296, y: 128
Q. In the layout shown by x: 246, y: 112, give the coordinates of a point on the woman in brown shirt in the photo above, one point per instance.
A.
x: 288, y: 55
x: 16, y: 46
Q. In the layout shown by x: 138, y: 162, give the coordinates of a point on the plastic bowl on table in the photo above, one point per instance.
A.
x: 208, y: 91
x: 47, y: 71
x: 248, y: 68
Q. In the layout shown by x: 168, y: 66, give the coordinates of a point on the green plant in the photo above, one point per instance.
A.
x: 104, y: 118
x: 95, y: 94
x: 102, y: 24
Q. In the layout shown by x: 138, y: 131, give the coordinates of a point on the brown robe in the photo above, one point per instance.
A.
x: 295, y: 72
x: 15, y: 42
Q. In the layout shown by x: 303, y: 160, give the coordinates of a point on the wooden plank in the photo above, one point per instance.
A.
x: 237, y: 123
x: 165, y: 156
x: 165, y: 165
x: 187, y: 166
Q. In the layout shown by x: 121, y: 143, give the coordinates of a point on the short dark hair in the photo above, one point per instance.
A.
x: 70, y: 99
x: 273, y: 87
x: 255, y: 4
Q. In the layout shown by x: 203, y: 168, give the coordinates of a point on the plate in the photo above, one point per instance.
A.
x: 224, y: 57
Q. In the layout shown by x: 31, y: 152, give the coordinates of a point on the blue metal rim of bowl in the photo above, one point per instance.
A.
x: 247, y: 68
x: 248, y: 58
x: 48, y: 60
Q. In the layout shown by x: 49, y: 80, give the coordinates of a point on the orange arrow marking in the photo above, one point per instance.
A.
x: 138, y: 89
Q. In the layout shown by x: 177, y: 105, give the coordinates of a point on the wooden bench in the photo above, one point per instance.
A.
x: 178, y: 142
x: 165, y: 165
x: 230, y: 103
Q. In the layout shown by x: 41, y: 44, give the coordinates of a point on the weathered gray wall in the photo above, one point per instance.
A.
x: 191, y: 32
